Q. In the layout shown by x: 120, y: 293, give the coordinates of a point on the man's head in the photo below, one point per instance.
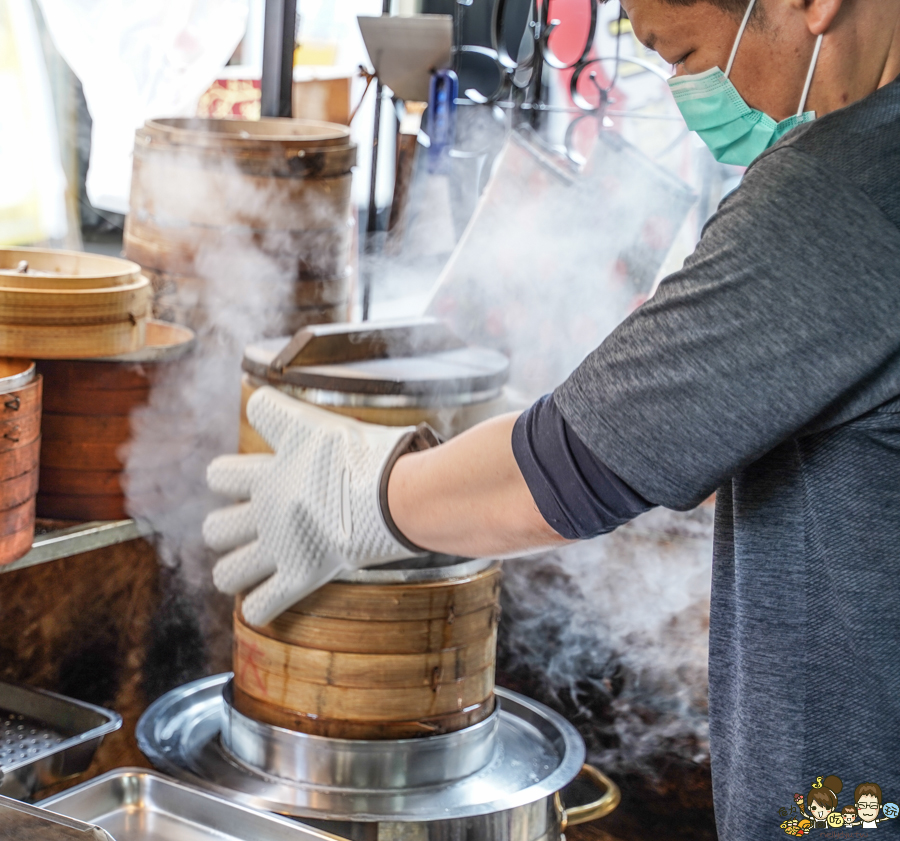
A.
x: 861, y: 48
x: 868, y: 801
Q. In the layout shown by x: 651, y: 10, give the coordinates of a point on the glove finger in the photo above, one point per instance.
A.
x: 271, y: 413
x: 279, y: 593
x: 234, y: 475
x: 242, y: 568
x: 230, y: 527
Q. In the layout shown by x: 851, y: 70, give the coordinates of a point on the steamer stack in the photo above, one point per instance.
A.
x: 85, y: 318
x: 225, y: 205
x: 87, y: 424
x: 20, y: 441
x: 398, y: 652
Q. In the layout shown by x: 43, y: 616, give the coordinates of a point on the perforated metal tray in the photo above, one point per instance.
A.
x: 45, y: 738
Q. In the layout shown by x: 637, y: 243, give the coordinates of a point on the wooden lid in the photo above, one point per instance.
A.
x: 52, y: 269
x: 412, y: 357
x: 200, y: 132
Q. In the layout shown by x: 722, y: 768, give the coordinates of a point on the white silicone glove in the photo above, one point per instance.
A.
x: 314, y: 506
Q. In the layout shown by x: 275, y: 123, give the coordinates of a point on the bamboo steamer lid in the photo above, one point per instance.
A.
x: 63, y: 269
x: 394, y: 373
x: 286, y: 137
x: 68, y: 305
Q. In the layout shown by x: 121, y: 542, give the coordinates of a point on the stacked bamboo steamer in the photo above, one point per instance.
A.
x: 85, y: 318
x: 388, y: 653
x: 376, y: 656
x: 204, y: 188
x: 87, y: 424
x: 20, y: 441
x: 62, y: 304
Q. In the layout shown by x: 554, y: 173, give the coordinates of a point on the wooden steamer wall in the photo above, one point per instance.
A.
x: 87, y: 424
x: 20, y: 442
x: 374, y: 660
x: 207, y: 193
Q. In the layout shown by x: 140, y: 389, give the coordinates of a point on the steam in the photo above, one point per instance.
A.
x: 245, y: 293
x: 613, y: 632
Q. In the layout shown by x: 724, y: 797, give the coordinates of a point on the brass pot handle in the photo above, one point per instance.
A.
x: 576, y: 815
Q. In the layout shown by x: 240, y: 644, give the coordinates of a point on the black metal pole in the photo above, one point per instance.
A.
x: 372, y: 215
x: 278, y: 57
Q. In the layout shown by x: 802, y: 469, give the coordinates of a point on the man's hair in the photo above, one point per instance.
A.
x: 737, y: 8
x: 867, y: 788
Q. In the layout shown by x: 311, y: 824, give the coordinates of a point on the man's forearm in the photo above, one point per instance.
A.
x: 468, y: 497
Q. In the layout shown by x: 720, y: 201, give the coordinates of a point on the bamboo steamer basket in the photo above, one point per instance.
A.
x: 20, y: 413
x: 397, y: 373
x: 56, y: 304
x: 86, y: 425
x: 274, y: 187
x: 397, y: 652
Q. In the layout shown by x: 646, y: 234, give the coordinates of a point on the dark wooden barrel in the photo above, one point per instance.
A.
x: 232, y: 202
x: 20, y: 442
x: 86, y: 424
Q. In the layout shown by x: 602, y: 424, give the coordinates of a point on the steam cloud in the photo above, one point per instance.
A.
x: 194, y: 408
x: 611, y: 632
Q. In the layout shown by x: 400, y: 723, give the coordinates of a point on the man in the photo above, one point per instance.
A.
x: 767, y: 369
x: 868, y: 804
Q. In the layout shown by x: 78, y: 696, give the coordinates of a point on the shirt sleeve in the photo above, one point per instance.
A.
x: 578, y: 495
x: 784, y: 320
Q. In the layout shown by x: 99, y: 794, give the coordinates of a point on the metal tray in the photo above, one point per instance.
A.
x: 133, y: 804
x: 19, y: 820
x: 45, y: 737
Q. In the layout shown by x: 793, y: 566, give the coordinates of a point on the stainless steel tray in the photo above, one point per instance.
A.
x: 19, y: 820
x: 133, y: 804
x: 45, y: 737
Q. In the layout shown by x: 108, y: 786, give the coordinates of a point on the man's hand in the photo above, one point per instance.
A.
x: 305, y: 513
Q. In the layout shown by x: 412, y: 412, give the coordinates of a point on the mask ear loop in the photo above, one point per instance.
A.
x: 809, y: 76
x: 737, y: 41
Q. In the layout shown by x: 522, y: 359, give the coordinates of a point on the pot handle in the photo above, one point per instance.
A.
x: 576, y: 815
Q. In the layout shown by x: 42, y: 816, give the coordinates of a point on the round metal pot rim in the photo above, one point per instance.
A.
x: 180, y: 734
x: 357, y: 764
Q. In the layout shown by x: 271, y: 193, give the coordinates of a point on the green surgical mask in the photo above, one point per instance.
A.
x: 735, y: 133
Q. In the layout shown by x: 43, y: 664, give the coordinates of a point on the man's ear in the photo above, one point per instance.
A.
x: 820, y: 14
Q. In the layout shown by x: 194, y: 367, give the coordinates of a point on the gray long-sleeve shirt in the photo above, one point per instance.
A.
x: 768, y: 369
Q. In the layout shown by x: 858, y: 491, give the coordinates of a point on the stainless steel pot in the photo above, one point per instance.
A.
x: 514, y: 797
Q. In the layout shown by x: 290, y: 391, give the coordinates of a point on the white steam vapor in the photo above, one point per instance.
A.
x: 193, y: 414
x: 612, y: 632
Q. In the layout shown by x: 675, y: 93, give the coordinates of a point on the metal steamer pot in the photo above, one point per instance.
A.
x: 501, y: 779
x: 394, y: 373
